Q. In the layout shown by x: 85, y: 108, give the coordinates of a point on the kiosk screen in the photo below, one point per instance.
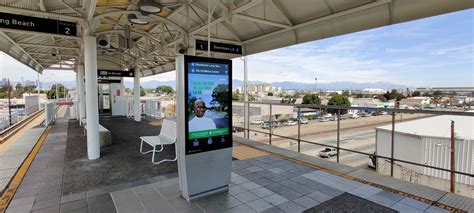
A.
x: 209, y: 104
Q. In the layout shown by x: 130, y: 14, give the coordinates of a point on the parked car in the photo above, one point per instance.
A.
x: 345, y: 116
x: 290, y: 123
x: 375, y: 113
x: 304, y: 121
x: 372, y: 162
x: 237, y: 129
x: 328, y: 152
x: 266, y: 125
x: 256, y: 122
x: 323, y: 119
x: 366, y: 114
x: 353, y: 115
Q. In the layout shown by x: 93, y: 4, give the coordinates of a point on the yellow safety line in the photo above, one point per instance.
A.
x: 385, y: 188
x: 20, y: 174
x: 156, y: 123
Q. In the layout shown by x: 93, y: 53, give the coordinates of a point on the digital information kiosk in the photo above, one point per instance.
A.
x: 204, y: 120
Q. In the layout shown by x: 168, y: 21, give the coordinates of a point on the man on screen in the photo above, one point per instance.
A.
x: 199, y: 122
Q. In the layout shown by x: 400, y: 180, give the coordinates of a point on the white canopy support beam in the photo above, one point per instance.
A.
x: 226, y: 25
x: 222, y: 18
x: 262, y: 21
x: 16, y: 10
x: 322, y: 19
x: 48, y: 46
x: 49, y: 54
x: 21, y: 48
x: 90, y: 9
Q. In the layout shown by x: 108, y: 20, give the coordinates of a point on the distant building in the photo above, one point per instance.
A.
x: 260, y: 88
x: 428, y: 141
x: 466, y: 91
x: 30, y: 83
x: 334, y: 91
x: 373, y: 91
x: 410, y: 103
x: 271, y: 99
x: 262, y: 111
x: 365, y: 102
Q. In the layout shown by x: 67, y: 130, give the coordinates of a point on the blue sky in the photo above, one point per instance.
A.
x: 436, y: 51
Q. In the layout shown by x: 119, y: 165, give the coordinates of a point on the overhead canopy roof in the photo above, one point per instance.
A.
x: 257, y: 25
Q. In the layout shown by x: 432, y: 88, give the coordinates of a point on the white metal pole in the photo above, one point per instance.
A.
x: 246, y: 100
x: 209, y: 28
x: 82, y: 99
x: 76, y: 104
x: 92, y: 106
x: 136, y: 95
x: 38, y: 86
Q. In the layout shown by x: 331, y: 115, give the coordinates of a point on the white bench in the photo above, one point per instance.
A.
x: 105, y: 137
x: 167, y: 136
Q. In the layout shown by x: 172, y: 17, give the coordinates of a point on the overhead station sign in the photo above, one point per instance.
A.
x: 28, y: 23
x: 219, y: 47
x: 116, y: 73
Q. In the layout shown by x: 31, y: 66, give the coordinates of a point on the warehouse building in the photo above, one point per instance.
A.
x: 427, y: 141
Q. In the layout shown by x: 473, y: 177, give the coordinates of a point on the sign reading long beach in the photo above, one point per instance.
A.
x: 28, y: 23
x: 208, y: 106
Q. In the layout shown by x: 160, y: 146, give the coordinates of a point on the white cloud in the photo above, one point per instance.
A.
x: 169, y: 76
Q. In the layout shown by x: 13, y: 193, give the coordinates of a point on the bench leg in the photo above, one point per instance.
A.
x: 164, y: 160
x: 153, y: 150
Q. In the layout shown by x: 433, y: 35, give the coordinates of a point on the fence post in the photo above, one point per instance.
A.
x: 453, y: 159
x: 338, y: 131
x: 270, y: 126
x: 299, y: 129
x: 392, y: 151
x: 247, y: 121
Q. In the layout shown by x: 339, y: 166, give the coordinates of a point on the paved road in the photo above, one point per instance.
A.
x: 360, y: 141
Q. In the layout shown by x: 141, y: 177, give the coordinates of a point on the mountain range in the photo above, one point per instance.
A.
x: 343, y: 85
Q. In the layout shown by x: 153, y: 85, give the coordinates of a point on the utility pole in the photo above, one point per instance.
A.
x: 315, y: 90
x: 57, y: 92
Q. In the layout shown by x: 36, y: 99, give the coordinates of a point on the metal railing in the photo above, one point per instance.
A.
x: 299, y: 140
x: 16, y: 116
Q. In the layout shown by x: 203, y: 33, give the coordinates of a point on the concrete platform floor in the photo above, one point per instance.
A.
x: 120, y: 163
x: 270, y: 184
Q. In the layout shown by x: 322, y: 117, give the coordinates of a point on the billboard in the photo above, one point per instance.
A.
x: 208, y: 104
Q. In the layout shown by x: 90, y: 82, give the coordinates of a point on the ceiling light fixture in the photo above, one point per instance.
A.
x: 150, y: 6
x: 132, y: 18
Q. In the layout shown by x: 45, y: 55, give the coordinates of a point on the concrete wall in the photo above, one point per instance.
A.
x: 403, y: 173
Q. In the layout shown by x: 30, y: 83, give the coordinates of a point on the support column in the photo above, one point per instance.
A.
x: 136, y: 95
x: 82, y: 93
x: 92, y: 106
x: 246, y: 101
x: 76, y: 105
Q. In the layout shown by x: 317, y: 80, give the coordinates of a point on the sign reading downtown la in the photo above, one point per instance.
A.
x: 28, y: 23
x: 208, y: 89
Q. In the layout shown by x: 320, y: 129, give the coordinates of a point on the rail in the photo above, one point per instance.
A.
x: 338, y: 109
x: 24, y: 120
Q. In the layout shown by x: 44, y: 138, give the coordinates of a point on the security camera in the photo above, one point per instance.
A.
x: 180, y: 49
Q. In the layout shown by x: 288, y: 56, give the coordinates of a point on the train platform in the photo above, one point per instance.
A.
x: 264, y: 179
